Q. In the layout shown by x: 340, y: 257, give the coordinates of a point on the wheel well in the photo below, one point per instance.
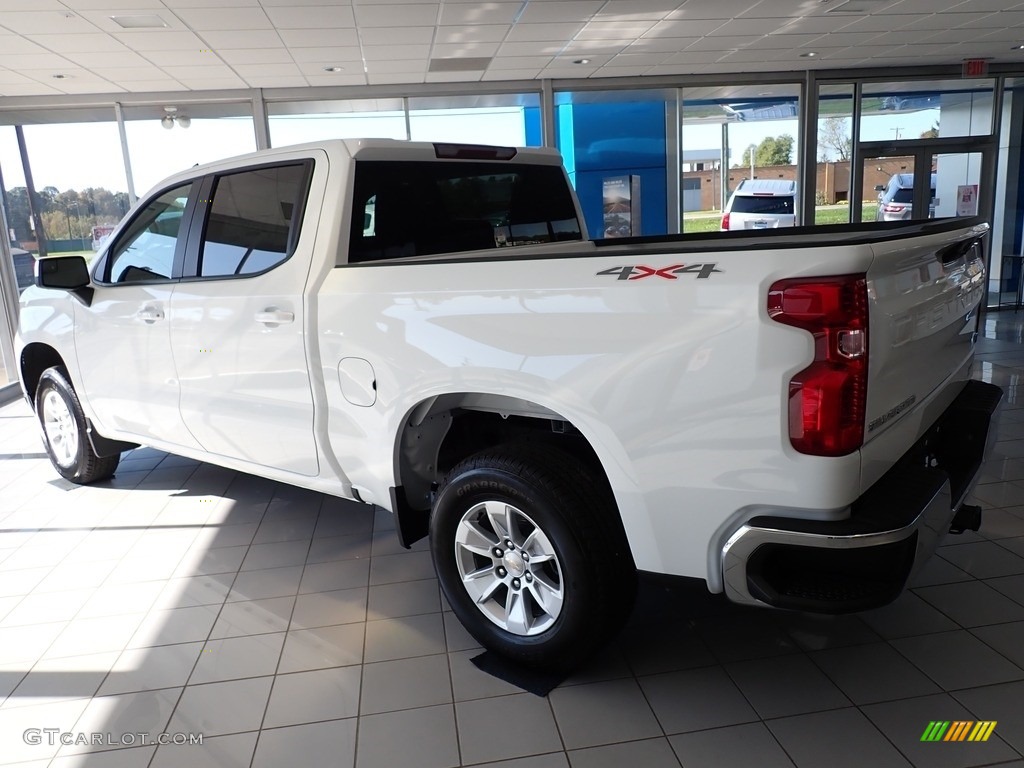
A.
x: 36, y: 358
x: 442, y: 432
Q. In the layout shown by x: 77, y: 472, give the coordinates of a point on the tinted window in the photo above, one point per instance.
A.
x: 777, y: 205
x: 414, y: 209
x: 252, y: 218
x: 145, y: 250
x: 903, y: 196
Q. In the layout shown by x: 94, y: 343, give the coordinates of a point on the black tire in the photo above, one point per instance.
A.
x: 592, y: 570
x: 64, y: 431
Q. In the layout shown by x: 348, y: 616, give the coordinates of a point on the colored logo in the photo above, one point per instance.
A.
x: 639, y: 272
x: 958, y: 730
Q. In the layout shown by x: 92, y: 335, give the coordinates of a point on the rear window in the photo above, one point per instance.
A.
x: 422, y: 208
x: 777, y: 205
x: 903, y: 196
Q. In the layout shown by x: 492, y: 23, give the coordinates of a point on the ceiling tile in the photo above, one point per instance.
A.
x: 95, y: 42
x: 421, y: 14
x: 144, y: 86
x: 720, y: 43
x: 206, y: 3
x: 660, y: 44
x: 319, y: 38
x: 464, y: 50
x: 129, y: 74
x: 45, y: 22
x: 532, y: 33
x: 685, y: 28
x: 604, y: 30
x: 490, y: 33
x: 520, y: 62
x: 256, y: 56
x: 714, y: 9
x: 452, y: 77
x: 755, y: 27
x: 887, y: 23
x: 192, y: 58
x: 348, y: 69
x: 160, y: 40
x: 89, y: 86
x: 919, y: 6
x: 637, y: 10
x: 250, y: 71
x: 249, y: 39
x: 772, y: 42
x: 37, y: 5
x: 112, y: 5
x: 24, y: 62
x: 396, y: 52
x: 559, y: 10
x: 530, y: 49
x: 192, y: 73
x: 269, y: 81
x: 595, y: 47
x: 397, y: 36
x: 327, y: 54
x: 224, y: 19
x: 478, y: 14
x: 844, y: 39
x: 35, y: 89
x: 624, y: 60
x: 14, y: 44
x: 312, y: 17
x: 104, y: 59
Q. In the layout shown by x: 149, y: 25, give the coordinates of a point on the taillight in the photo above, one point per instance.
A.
x: 893, y: 208
x: 725, y: 221
x: 827, y: 400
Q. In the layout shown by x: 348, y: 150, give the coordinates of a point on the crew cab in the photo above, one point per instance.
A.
x: 786, y: 415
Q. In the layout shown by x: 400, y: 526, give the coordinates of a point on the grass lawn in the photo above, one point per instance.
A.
x: 704, y: 221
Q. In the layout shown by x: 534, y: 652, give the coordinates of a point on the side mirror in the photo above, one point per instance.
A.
x: 65, y: 273
x: 879, y: 187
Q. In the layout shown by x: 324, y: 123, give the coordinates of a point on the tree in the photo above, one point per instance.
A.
x: 931, y: 133
x: 773, y: 150
x: 834, y: 139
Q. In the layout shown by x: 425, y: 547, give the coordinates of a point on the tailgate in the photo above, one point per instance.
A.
x: 925, y: 294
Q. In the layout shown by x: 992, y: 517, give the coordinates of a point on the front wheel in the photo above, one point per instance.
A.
x: 64, y: 431
x: 530, y: 553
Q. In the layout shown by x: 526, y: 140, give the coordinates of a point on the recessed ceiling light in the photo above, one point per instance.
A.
x: 334, y: 69
x: 808, y: 55
x: 59, y: 76
x: 140, y: 22
x: 1017, y: 48
x: 581, y: 61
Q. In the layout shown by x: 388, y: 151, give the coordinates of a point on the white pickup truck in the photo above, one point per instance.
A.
x: 427, y: 328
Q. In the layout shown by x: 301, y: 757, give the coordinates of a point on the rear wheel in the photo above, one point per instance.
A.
x: 531, y: 556
x: 64, y: 431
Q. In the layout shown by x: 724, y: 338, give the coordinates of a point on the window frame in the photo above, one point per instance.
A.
x: 204, y: 206
x: 104, y: 264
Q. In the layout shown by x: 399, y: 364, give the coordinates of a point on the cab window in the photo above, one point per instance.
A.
x: 145, y: 250
x: 253, y: 220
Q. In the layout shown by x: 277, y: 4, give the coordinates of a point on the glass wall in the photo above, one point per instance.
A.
x: 511, y: 120
x: 166, y: 139
x: 834, y: 156
x: 296, y: 122
x: 730, y: 134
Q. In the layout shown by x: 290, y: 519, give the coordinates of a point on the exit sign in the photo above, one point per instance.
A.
x: 975, y: 67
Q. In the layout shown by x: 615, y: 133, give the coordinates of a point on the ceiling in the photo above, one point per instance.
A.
x: 52, y: 47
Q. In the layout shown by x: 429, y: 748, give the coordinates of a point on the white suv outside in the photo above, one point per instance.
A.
x: 761, y: 204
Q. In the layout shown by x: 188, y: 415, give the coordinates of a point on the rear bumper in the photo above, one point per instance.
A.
x: 866, y: 560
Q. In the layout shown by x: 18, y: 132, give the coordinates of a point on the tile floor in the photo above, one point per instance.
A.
x: 289, y: 628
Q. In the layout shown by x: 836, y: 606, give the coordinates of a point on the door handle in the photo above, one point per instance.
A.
x: 272, y: 315
x: 150, y: 314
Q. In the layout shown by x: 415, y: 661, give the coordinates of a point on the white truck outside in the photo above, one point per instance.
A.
x: 426, y: 328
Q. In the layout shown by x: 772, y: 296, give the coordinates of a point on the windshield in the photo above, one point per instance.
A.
x: 776, y: 205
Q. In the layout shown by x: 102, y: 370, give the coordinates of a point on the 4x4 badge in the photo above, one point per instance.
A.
x: 639, y: 272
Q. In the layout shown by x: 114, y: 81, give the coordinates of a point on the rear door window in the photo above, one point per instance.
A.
x: 422, y: 208
x: 253, y: 220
